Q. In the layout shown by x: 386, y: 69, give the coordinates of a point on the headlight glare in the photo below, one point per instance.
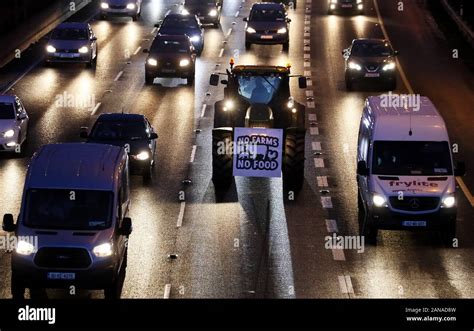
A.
x: 228, y: 105
x: 152, y: 62
x: 378, y: 200
x: 103, y: 250
x: 142, y: 156
x: 195, y: 39
x: 104, y: 5
x: 83, y: 50
x: 24, y: 248
x: 184, y: 63
x: 251, y: 30
x: 389, y: 66
x: 449, y: 201
x: 9, y: 133
x: 131, y: 6
x: 354, y: 66
x: 282, y: 30
x: 213, y: 13
x: 50, y: 49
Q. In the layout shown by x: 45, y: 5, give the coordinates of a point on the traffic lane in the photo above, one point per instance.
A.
x: 427, y: 56
x: 340, y: 117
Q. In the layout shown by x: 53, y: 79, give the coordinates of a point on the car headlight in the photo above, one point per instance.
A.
x: 378, y: 200
x: 195, y: 39
x: 251, y: 30
x: 213, y: 13
x: 83, y: 49
x: 104, y: 5
x: 142, y: 156
x: 50, y: 49
x: 333, y: 1
x: 282, y: 30
x: 184, y: 63
x: 9, y: 133
x: 24, y: 248
x: 152, y: 62
x: 131, y: 6
x: 103, y: 250
x: 449, y: 201
x: 389, y: 66
x: 228, y: 105
x: 359, y: 1
x: 11, y: 144
x: 184, y: 12
x: 291, y: 103
x: 354, y: 66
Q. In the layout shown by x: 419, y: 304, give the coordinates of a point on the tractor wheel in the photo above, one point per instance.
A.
x: 222, y: 159
x: 293, y: 159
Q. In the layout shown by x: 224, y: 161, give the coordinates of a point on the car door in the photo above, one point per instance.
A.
x: 22, y: 119
x: 151, y: 142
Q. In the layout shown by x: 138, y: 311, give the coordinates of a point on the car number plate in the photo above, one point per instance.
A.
x: 61, y: 275
x: 346, y: 6
x: 372, y: 75
x: 168, y: 71
x: 69, y: 56
x: 266, y: 37
x: 202, y: 17
x: 414, y: 223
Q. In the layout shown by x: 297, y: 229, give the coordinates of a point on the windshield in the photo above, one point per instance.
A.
x: 267, y: 15
x: 7, y: 111
x: 169, y: 46
x: 110, y: 130
x: 371, y: 50
x: 68, y: 209
x: 69, y: 34
x: 258, y: 89
x: 411, y: 158
x: 182, y: 22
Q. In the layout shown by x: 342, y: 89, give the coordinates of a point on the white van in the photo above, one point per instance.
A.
x: 405, y: 172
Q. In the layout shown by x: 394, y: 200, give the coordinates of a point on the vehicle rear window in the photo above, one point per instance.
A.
x: 264, y: 15
x: 7, y: 111
x: 68, y: 209
x: 69, y: 34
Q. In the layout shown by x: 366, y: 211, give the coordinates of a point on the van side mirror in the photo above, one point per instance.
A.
x: 126, y: 228
x: 83, y: 134
x: 395, y: 52
x: 8, y: 223
x: 22, y: 116
x: 153, y: 135
x: 93, y: 38
x: 302, y: 82
x: 224, y: 82
x: 288, y: 20
x: 157, y: 25
x: 362, y: 169
x: 245, y: 19
x: 214, y: 80
x: 460, y: 169
x: 146, y: 51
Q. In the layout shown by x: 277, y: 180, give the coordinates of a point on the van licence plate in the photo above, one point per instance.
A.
x: 414, y: 223
x: 346, y: 6
x: 372, y: 75
x: 68, y: 55
x: 61, y: 275
x: 266, y: 37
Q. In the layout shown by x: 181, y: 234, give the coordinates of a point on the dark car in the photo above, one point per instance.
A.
x: 131, y: 131
x: 372, y: 60
x: 208, y: 11
x: 353, y: 6
x: 170, y: 56
x: 175, y: 24
x: 268, y: 24
x: 72, y: 42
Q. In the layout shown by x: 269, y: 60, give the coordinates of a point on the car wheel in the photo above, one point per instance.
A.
x: 293, y: 160
x: 190, y: 80
x: 17, y: 287
x: 448, y: 233
x: 135, y: 17
x: 149, y: 79
x: 222, y: 176
x: 365, y: 229
x: 114, y: 290
x: 102, y: 16
x: 248, y: 45
x: 286, y: 46
x: 147, y: 172
x: 349, y: 84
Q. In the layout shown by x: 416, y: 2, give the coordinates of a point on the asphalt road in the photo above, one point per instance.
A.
x: 253, y: 242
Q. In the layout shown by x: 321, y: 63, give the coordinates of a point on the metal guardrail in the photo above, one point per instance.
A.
x: 8, y: 53
x: 463, y: 27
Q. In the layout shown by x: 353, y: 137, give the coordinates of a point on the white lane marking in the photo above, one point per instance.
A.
x: 309, y: 93
x: 460, y: 181
x: 319, y: 162
x: 137, y: 50
x: 221, y: 53
x: 316, y: 145
x: 309, y: 82
x: 322, y: 181
x: 97, y: 106
x: 331, y: 226
x: 9, y: 87
x: 307, y: 49
x: 314, y: 131
x: 193, y: 154
x: 312, y: 117
x: 154, y: 30
x: 167, y: 293
x: 306, y: 41
x: 228, y: 33
x: 237, y: 13
x: 326, y: 202
x: 345, y: 284
x: 310, y: 105
x: 307, y: 73
x: 338, y: 254
x: 307, y: 56
x: 306, y: 34
x: 307, y: 17
x: 169, y: 11
x: 203, y: 110
x: 181, y: 214
x: 307, y: 64
x: 118, y: 76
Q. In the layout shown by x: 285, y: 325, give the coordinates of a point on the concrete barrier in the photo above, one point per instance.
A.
x: 32, y: 31
x: 463, y: 27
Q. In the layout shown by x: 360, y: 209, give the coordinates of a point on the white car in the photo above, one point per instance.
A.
x: 131, y: 8
x: 13, y: 123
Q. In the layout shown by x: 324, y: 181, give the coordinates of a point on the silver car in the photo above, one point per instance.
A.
x: 72, y: 42
x: 131, y: 8
x: 13, y: 124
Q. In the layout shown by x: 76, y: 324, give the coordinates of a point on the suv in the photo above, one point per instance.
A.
x: 72, y: 228
x: 131, y: 8
x: 208, y: 11
x: 13, y: 124
x: 371, y: 60
x: 405, y: 172
x: 346, y: 5
x: 182, y: 24
x: 131, y: 131
x: 170, y: 56
x: 259, y: 96
x: 72, y: 42
x: 267, y: 24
